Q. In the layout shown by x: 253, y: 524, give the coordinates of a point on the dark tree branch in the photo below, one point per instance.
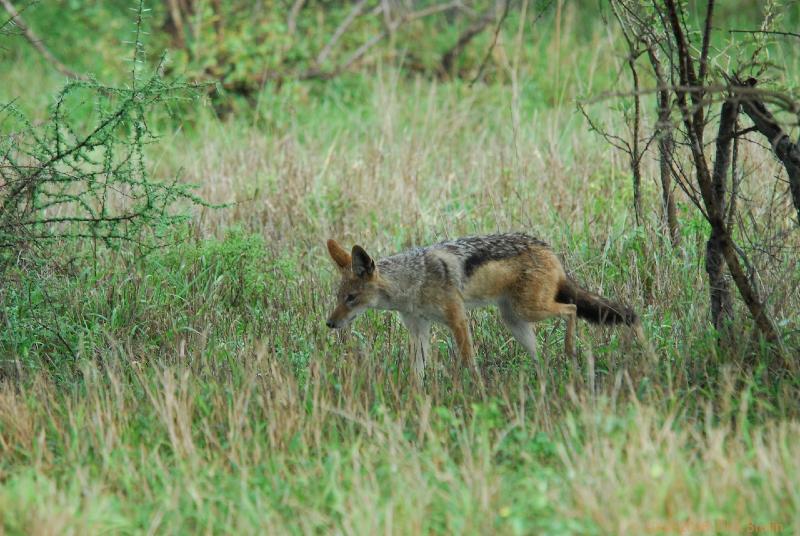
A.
x: 787, y: 151
x: 473, y: 30
x: 706, y: 42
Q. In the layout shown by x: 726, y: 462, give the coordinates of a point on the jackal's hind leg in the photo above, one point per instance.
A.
x: 534, y: 312
x: 569, y: 312
x: 521, y: 329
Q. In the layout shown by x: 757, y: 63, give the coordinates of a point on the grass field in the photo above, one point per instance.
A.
x: 197, y: 389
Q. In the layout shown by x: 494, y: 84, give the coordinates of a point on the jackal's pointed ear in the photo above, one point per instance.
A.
x: 363, y: 265
x: 338, y: 254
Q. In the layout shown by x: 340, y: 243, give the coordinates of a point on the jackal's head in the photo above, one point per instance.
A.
x: 359, y: 288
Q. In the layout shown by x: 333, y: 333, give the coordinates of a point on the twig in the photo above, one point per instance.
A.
x: 612, y: 139
x: 359, y: 53
x: 768, y: 32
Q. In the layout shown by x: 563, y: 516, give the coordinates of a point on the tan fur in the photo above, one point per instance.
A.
x: 338, y: 254
x: 456, y: 317
x: 492, y: 280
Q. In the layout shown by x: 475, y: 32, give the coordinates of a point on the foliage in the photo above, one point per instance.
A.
x: 66, y: 180
x: 196, y: 389
x: 243, y: 46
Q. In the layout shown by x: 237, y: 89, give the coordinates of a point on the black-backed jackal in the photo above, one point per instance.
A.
x: 518, y: 273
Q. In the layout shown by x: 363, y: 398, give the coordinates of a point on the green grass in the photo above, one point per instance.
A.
x: 197, y: 390
x: 202, y: 392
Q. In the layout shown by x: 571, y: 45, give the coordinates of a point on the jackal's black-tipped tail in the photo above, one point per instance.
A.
x: 595, y: 308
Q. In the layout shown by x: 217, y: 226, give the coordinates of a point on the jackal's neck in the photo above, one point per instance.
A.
x: 390, y: 292
x: 399, y: 278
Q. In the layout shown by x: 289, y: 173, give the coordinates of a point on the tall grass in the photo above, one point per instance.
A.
x: 197, y: 390
x: 206, y: 395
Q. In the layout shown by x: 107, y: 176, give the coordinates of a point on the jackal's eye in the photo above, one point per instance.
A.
x: 350, y: 298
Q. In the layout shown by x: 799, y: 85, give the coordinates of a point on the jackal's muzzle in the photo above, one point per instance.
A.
x: 340, y: 317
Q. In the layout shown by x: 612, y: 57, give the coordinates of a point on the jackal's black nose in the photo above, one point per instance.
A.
x: 330, y: 323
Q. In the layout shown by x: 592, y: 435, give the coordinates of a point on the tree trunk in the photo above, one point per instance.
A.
x: 721, y: 305
x: 666, y: 147
x: 720, y: 292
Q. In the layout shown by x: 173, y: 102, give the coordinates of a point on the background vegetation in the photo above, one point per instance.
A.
x: 181, y: 379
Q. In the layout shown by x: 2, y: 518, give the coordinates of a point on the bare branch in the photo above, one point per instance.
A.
x: 337, y: 34
x: 318, y: 73
x: 473, y: 30
x: 710, y: 91
x: 34, y: 40
x: 358, y: 53
x: 489, y: 51
x: 291, y: 21
x: 612, y: 139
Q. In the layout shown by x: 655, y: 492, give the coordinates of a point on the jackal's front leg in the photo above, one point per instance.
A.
x: 456, y: 317
x: 419, y: 331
